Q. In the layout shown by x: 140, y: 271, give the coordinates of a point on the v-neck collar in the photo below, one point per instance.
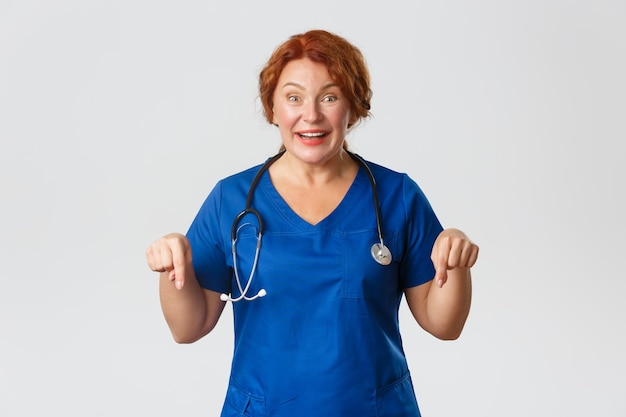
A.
x: 337, y: 215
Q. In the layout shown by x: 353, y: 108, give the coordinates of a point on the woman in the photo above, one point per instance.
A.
x: 317, y: 333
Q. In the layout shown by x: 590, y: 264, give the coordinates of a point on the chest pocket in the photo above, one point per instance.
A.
x: 363, y: 277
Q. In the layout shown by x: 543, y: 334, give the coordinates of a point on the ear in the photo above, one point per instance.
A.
x: 352, y: 121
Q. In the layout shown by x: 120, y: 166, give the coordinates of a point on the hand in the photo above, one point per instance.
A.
x: 171, y: 253
x: 452, y: 249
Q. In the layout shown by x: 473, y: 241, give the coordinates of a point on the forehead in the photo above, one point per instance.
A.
x: 305, y: 73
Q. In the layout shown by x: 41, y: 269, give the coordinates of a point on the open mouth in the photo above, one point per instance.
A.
x: 313, y: 135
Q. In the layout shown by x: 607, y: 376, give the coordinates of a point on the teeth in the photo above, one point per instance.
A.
x: 312, y: 135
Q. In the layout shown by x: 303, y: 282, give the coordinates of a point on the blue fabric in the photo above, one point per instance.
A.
x: 325, y: 340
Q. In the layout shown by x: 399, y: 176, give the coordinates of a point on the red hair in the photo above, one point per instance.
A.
x: 344, y: 61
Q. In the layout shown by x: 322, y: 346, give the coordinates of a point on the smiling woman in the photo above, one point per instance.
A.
x: 322, y: 337
x: 118, y: 117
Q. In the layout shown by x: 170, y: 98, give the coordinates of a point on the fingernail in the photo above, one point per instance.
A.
x: 179, y: 285
x: 440, y: 283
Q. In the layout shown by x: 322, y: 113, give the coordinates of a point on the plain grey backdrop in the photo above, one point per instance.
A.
x: 118, y: 117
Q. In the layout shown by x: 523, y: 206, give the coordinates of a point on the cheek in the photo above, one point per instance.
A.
x: 282, y: 115
x: 344, y: 119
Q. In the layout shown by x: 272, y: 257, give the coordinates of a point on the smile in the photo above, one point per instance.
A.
x: 313, y: 135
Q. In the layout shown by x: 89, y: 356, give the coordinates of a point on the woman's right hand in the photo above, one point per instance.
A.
x: 171, y: 254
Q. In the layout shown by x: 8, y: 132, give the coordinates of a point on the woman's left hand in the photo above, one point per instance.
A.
x: 452, y: 249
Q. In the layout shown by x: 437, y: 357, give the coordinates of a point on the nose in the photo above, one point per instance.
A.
x: 311, y: 112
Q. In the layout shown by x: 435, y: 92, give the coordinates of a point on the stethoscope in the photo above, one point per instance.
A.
x: 379, y: 251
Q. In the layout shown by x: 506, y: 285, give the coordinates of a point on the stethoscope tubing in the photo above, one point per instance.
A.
x: 379, y: 251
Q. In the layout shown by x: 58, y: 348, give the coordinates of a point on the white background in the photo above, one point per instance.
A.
x: 117, y: 118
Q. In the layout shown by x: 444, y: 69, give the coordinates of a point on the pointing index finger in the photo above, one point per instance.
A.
x: 178, y: 261
x: 440, y: 261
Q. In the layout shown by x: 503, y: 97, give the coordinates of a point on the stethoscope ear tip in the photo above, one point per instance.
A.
x: 226, y: 297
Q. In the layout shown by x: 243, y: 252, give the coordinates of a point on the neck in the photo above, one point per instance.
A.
x: 289, y: 168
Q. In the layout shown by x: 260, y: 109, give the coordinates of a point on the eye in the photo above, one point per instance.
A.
x: 293, y: 98
x: 329, y: 98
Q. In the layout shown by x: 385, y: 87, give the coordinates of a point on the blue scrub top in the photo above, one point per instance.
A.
x: 325, y: 340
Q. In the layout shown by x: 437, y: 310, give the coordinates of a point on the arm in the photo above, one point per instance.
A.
x: 441, y: 306
x: 190, y: 311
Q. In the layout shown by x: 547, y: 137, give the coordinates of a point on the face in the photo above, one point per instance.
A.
x: 311, y: 112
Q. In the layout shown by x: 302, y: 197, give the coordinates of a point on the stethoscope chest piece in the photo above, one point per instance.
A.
x: 381, y: 253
